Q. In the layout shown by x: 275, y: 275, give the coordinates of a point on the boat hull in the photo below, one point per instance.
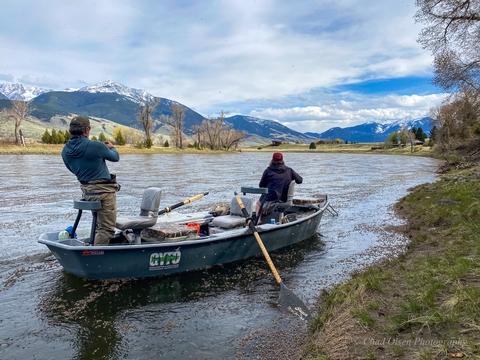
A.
x: 161, y: 259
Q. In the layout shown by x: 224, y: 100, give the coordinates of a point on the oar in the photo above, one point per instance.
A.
x: 181, y: 203
x: 286, y: 297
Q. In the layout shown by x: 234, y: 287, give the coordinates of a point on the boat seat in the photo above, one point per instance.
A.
x: 148, y: 212
x: 228, y: 221
x: 87, y: 205
x: 235, y: 219
x: 135, y: 222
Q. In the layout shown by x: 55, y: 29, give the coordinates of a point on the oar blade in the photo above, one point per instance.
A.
x: 292, y: 303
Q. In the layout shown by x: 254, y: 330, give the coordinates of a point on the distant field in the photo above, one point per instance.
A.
x: 366, y: 148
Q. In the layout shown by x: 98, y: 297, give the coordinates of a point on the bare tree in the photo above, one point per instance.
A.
x: 19, y: 112
x: 177, y: 122
x: 452, y: 33
x: 210, y: 130
x: 458, y: 121
x: 230, y: 138
x: 216, y: 135
x: 411, y: 140
x: 197, y: 131
x: 145, y: 118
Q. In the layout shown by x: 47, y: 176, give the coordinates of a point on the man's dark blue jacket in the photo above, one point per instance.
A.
x: 277, y: 178
x: 86, y: 158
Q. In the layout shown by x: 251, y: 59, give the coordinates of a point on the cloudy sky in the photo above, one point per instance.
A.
x: 308, y: 64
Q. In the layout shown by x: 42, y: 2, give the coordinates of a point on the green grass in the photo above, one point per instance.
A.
x: 363, y: 316
x: 432, y: 291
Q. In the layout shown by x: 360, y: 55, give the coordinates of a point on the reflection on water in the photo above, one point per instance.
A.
x: 47, y: 313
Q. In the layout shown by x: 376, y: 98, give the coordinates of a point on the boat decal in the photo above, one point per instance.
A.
x: 165, y: 260
x: 92, y: 252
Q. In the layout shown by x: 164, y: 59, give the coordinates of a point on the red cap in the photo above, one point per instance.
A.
x: 277, y: 156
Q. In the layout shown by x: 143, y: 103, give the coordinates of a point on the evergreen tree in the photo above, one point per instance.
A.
x: 393, y: 139
x: 54, y: 137
x: 166, y: 144
x: 148, y: 142
x: 102, y: 137
x: 432, y: 135
x: 119, y: 139
x: 60, y: 137
x: 46, y: 137
x: 420, y: 135
x: 66, y: 135
x: 312, y: 146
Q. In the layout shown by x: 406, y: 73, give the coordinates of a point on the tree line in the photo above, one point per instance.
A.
x: 406, y: 136
x: 55, y: 137
x: 213, y: 133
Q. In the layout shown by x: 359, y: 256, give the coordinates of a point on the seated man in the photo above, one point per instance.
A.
x: 277, y: 178
x: 86, y: 160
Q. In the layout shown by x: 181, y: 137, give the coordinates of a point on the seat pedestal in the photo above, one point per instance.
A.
x: 93, y: 206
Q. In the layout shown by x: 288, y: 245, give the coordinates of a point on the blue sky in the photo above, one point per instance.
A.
x: 308, y: 64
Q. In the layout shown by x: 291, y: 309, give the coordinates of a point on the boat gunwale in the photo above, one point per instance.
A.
x: 208, y: 239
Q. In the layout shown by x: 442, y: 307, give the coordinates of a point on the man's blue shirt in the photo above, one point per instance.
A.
x: 86, y: 158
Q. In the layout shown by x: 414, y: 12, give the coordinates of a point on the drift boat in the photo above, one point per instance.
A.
x: 175, y: 243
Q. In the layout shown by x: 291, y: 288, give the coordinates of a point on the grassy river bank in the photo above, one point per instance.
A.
x: 424, y: 304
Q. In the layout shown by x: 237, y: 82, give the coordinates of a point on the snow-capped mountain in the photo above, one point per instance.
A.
x: 373, y: 131
x: 15, y: 91
x: 137, y: 95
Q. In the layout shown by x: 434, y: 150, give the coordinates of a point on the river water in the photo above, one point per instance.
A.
x: 214, y: 314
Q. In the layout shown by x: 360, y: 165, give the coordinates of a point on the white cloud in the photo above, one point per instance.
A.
x: 359, y: 109
x: 205, y: 54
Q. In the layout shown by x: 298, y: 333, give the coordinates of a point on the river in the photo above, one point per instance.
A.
x: 214, y: 314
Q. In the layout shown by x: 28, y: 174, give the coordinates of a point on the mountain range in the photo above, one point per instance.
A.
x: 373, y: 131
x: 119, y: 103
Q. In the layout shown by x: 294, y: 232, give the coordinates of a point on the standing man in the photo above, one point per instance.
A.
x: 86, y: 160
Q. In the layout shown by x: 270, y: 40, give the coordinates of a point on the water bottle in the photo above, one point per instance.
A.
x: 63, y: 235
